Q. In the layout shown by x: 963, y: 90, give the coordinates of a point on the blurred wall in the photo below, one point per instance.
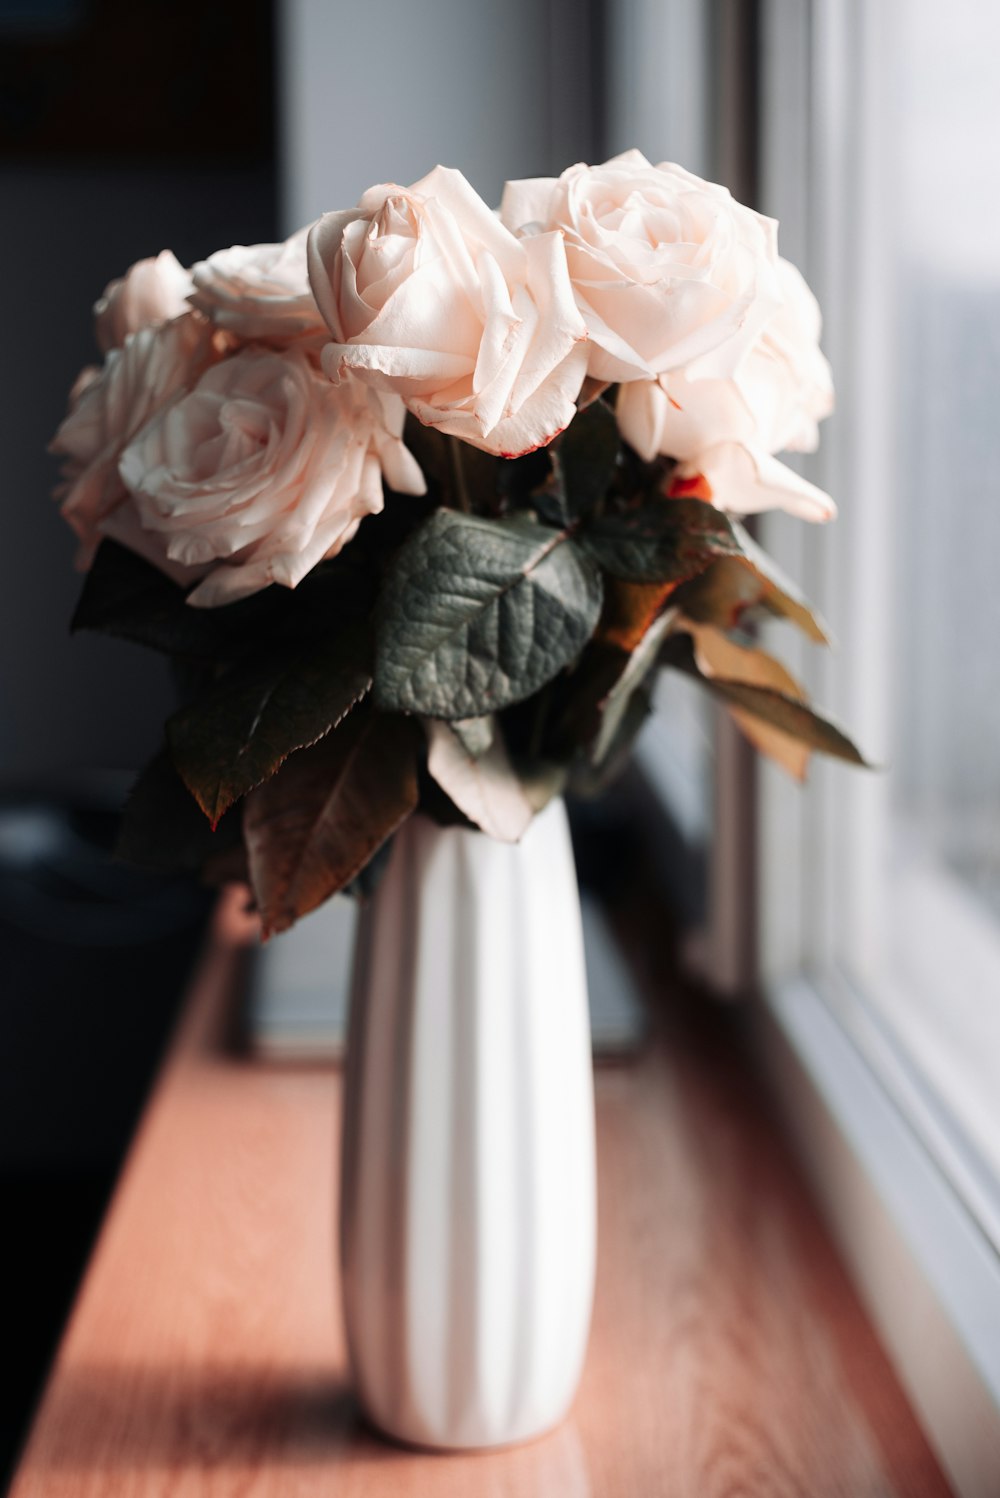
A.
x: 123, y: 129
x: 377, y: 93
x: 69, y: 702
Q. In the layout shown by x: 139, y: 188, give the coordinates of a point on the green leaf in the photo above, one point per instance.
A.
x: 524, y: 483
x: 640, y: 666
x: 564, y: 481
x: 127, y: 597
x: 238, y: 732
x: 163, y: 830
x: 458, y: 475
x: 777, y: 708
x: 477, y: 614
x: 584, y: 462
x: 313, y: 826
x: 573, y: 714
x: 589, y: 777
x: 733, y: 586
x: 660, y: 541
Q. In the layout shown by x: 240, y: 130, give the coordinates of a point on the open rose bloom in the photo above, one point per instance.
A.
x: 413, y: 477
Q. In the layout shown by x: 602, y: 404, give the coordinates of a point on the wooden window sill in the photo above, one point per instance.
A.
x: 205, y: 1353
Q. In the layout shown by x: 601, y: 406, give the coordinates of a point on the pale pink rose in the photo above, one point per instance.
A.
x: 109, y: 405
x: 263, y: 469
x: 745, y: 480
x: 428, y: 295
x: 788, y: 382
x: 260, y: 292
x: 668, y: 270
x: 153, y: 291
x: 771, y: 403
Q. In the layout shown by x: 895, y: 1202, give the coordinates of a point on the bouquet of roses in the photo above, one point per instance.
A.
x: 419, y: 501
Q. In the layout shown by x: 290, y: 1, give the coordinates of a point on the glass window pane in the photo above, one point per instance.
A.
x: 943, y: 870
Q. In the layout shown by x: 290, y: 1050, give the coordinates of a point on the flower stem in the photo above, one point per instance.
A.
x: 458, y: 476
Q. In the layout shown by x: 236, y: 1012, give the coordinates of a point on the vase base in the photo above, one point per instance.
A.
x: 468, y: 1221
x: 461, y: 1447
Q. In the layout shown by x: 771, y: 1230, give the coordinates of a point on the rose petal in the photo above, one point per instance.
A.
x: 746, y: 480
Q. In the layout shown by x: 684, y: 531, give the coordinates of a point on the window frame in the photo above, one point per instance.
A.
x: 916, y: 1217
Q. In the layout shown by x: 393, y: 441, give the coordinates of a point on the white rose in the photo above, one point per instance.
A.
x: 729, y: 429
x: 153, y: 291
x: 264, y: 468
x: 260, y: 292
x: 109, y: 405
x: 427, y: 294
x: 669, y: 271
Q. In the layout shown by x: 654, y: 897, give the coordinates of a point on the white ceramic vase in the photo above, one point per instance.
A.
x: 468, y: 1188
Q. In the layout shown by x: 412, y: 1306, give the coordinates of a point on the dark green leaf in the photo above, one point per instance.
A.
x: 313, y: 826
x: 240, y: 730
x: 125, y: 596
x: 522, y: 480
x: 640, y: 666
x: 478, y: 614
x: 660, y: 541
x: 458, y: 475
x: 786, y: 713
x: 163, y: 830
x: 583, y: 464
x: 590, y: 777
x: 573, y: 718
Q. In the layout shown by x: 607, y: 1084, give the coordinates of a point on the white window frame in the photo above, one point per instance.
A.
x: 917, y: 1217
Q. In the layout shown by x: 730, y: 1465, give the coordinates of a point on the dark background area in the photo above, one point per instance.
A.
x: 124, y: 129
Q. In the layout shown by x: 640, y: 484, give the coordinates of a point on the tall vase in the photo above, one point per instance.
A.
x: 468, y: 1185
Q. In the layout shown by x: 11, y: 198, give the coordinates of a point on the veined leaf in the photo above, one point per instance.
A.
x: 313, y: 826
x: 660, y: 541
x: 236, y: 734
x: 718, y: 656
x: 163, y: 830
x: 125, y: 596
x: 780, y: 595
x: 589, y: 777
x: 584, y: 460
x: 572, y: 717
x: 640, y: 666
x: 769, y: 704
x: 477, y: 614
x: 732, y: 586
x: 564, y: 481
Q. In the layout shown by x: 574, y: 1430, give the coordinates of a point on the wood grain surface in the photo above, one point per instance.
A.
x: 206, y: 1356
